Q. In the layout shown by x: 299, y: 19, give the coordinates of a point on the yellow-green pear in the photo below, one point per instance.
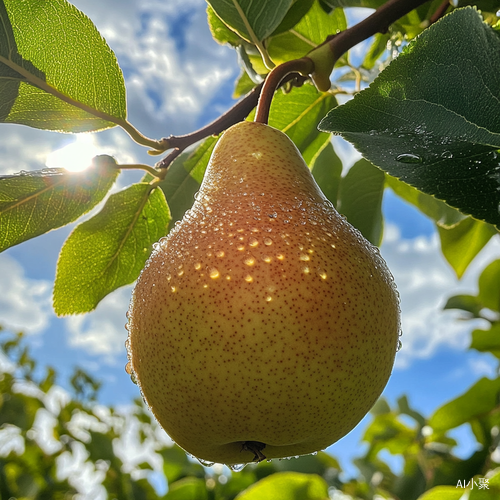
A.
x: 264, y: 325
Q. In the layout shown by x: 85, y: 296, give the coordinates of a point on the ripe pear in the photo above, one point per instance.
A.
x: 264, y: 325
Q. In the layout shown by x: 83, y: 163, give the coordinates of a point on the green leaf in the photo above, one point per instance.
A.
x: 487, y: 340
x: 309, y: 32
x: 479, y: 400
x: 489, y: 286
x: 287, y: 486
x: 370, y: 4
x: 253, y: 20
x: 176, y: 464
x: 19, y: 410
x: 431, y: 118
x: 327, y: 170
x: 33, y: 203
x: 189, y: 488
x: 100, y: 447
x: 79, y: 88
x: 360, y: 199
x: 184, y: 178
x: 460, y: 244
x: 220, y: 32
x: 377, y: 48
x: 109, y: 250
x: 296, y: 12
x: 244, y: 84
x: 297, y: 113
x: 468, y: 303
x: 442, y: 493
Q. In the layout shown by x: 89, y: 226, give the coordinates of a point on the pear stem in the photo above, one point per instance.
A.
x: 273, y: 80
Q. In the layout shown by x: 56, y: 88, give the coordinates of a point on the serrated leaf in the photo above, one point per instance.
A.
x: 287, y: 486
x: 327, y: 170
x: 479, y: 400
x: 461, y: 243
x: 253, y: 20
x: 33, y: 203
x: 487, y: 340
x: 109, y: 250
x: 360, y: 199
x: 78, y: 88
x: 431, y: 118
x: 310, y: 31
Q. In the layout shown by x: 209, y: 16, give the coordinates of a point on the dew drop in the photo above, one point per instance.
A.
x: 173, y: 288
x: 268, y: 241
x: 447, y: 154
x: 214, y: 273
x: 304, y: 257
x: 241, y: 247
x: 409, y: 158
x: 208, y: 209
x: 180, y: 272
x: 237, y: 467
x: 266, y: 259
x: 248, y: 278
x: 205, y: 463
x: 128, y: 368
x: 253, y: 242
x: 220, y: 253
x: 197, y: 266
x: 306, y: 270
x: 280, y: 256
x: 250, y: 261
x: 323, y: 275
x: 400, y: 346
x: 269, y: 298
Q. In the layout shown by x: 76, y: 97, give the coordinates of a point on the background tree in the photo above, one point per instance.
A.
x: 427, y: 126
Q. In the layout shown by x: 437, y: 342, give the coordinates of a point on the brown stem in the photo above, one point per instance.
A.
x: 378, y: 22
x: 234, y: 115
x: 273, y: 80
x: 440, y: 12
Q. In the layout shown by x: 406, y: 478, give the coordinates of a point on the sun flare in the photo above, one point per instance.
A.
x: 76, y: 156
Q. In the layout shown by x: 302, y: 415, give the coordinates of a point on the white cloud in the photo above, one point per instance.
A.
x: 425, y: 281
x: 172, y: 66
x: 25, y: 304
x: 102, y: 332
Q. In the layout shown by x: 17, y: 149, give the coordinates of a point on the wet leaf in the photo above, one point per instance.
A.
x: 431, y: 118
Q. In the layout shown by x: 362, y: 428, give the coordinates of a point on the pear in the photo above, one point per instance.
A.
x: 264, y: 325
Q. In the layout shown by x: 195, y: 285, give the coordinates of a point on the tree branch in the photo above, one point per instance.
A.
x: 318, y: 63
x: 326, y: 55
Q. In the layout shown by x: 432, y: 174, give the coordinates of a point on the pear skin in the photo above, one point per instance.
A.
x: 264, y: 325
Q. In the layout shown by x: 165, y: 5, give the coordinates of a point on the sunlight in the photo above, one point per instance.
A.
x: 76, y: 156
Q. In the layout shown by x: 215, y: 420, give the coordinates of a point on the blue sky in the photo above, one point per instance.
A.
x: 178, y: 79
